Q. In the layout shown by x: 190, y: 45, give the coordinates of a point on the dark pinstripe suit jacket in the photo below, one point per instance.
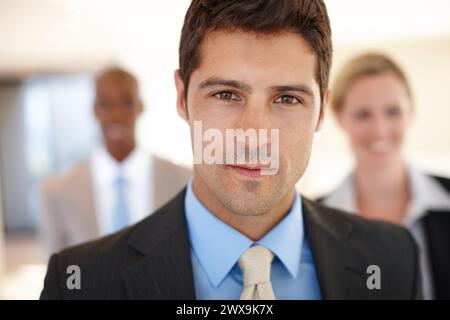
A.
x: 151, y: 260
x: 437, y: 235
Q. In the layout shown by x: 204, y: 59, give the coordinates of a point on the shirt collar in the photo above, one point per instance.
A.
x: 286, y: 238
x: 427, y: 194
x: 108, y: 168
x: 218, y: 246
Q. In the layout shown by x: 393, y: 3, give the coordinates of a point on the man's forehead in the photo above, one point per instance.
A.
x: 285, y: 56
x: 116, y: 78
x: 227, y: 45
x: 227, y: 37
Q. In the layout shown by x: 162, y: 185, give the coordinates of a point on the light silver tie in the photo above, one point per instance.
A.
x: 255, y: 264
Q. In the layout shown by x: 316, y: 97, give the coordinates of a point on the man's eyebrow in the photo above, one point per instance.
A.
x: 216, y: 81
x: 297, y: 87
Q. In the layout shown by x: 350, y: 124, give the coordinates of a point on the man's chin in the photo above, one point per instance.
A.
x: 250, y: 198
x: 115, y: 136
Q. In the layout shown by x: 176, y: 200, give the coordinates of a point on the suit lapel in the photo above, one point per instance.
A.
x: 164, y: 271
x: 338, y: 264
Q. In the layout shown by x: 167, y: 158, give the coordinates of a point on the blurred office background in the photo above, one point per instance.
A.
x: 50, y: 50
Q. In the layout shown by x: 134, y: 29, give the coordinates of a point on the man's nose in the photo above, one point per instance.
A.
x: 117, y: 113
x: 254, y: 115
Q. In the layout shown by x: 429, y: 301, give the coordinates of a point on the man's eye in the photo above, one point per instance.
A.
x: 287, y: 99
x: 128, y: 103
x: 226, y: 96
x: 103, y: 104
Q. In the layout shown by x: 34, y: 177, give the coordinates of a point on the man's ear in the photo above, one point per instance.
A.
x: 181, y: 92
x: 326, y: 100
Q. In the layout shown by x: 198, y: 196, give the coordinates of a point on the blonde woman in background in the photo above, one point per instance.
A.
x: 373, y: 104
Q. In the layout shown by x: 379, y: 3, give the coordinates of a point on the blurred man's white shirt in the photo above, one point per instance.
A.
x: 137, y: 172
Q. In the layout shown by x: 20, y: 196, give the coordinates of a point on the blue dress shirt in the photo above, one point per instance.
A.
x: 216, y: 248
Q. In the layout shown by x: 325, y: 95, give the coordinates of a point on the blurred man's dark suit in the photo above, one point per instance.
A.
x: 152, y: 259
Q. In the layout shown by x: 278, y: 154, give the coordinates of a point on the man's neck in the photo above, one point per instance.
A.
x: 122, y: 152
x: 253, y: 227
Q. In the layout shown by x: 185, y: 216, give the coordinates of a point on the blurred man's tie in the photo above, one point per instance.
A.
x: 255, y: 264
x: 120, y: 213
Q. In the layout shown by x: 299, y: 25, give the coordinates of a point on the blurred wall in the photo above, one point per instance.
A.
x: 12, y: 155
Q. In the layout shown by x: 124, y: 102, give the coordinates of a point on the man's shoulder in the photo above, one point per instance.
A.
x: 103, y: 261
x: 342, y: 238
x: 359, y: 225
x: 366, y: 233
x: 116, y: 250
x: 166, y: 166
x: 97, y: 264
x: 66, y: 178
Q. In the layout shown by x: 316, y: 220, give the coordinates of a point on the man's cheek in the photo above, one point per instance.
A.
x: 291, y: 144
x: 297, y: 151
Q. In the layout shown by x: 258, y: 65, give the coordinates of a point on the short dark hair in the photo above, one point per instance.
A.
x: 308, y: 18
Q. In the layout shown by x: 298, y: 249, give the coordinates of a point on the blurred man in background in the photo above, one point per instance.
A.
x: 117, y: 185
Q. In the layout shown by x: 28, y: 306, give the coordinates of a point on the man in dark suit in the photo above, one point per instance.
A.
x: 239, y: 229
x: 428, y: 220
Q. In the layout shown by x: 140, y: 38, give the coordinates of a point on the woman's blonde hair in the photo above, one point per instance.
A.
x: 364, y: 65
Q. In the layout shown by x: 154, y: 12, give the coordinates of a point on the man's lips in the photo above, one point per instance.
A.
x: 247, y: 170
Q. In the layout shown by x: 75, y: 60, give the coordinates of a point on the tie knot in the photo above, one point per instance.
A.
x: 255, y: 265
